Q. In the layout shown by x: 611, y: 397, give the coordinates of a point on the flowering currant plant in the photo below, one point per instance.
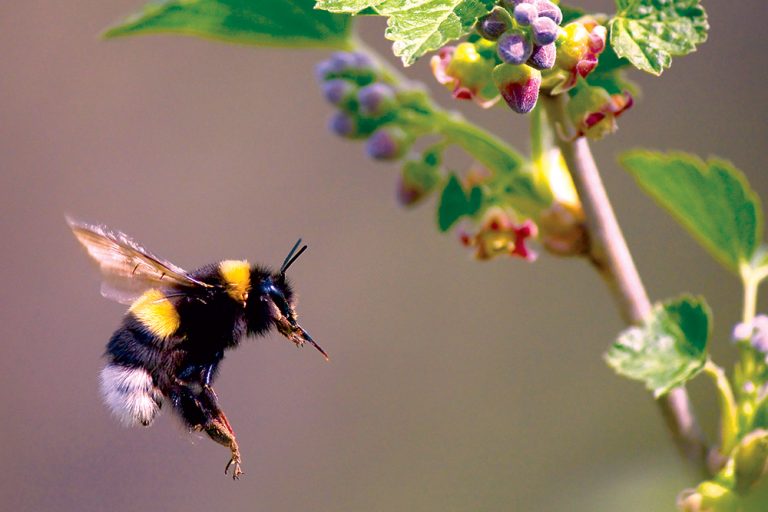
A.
x: 562, y: 70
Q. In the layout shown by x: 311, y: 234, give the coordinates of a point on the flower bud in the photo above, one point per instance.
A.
x: 343, y: 124
x: 354, y: 66
x: 525, y: 14
x: 514, y: 47
x: 544, y: 31
x: 419, y: 178
x: 494, y: 24
x: 519, y: 86
x: 337, y: 90
x: 388, y: 143
x: 549, y: 10
x: 376, y: 100
x: 543, y: 57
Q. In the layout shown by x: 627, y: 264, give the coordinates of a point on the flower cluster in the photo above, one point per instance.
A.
x: 371, y: 106
x: 367, y: 104
x: 389, y: 115
x: 519, y: 50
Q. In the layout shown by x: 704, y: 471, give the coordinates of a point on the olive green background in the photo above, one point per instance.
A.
x: 453, y: 385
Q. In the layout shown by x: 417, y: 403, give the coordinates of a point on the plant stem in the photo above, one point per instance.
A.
x: 610, y: 255
x: 729, y: 425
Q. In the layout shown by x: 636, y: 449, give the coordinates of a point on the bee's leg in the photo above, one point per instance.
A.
x: 219, y: 429
x: 201, y: 412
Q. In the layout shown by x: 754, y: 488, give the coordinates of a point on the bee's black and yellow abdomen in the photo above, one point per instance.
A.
x: 156, y: 314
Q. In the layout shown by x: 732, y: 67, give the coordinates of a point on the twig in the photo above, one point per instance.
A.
x: 610, y: 255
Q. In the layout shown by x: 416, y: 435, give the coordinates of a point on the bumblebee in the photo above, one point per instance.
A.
x: 179, y: 325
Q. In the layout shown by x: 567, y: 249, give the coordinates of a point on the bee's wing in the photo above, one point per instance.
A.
x: 128, y: 268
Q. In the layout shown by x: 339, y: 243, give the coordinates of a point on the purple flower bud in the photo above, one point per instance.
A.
x: 549, y: 10
x: 344, y: 60
x: 544, y: 30
x: 355, y: 66
x: 376, y: 99
x: 760, y: 334
x: 514, y: 47
x: 518, y: 85
x: 323, y: 69
x: 335, y: 91
x: 525, y: 14
x: 490, y: 27
x: 543, y: 57
x: 342, y: 124
x: 387, y: 143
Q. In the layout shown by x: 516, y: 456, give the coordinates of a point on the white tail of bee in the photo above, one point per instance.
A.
x: 130, y: 394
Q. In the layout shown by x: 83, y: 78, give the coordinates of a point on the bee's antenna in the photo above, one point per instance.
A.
x: 291, y: 256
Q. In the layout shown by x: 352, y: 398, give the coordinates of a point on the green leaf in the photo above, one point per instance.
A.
x: 712, y: 200
x: 669, y: 349
x: 258, y: 22
x: 418, y: 26
x: 348, y: 6
x: 455, y: 203
x: 650, y: 32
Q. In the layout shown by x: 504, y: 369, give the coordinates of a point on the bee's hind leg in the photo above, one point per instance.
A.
x: 201, y: 411
x: 219, y: 429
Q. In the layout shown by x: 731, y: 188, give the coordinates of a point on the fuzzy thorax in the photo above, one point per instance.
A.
x: 237, y: 276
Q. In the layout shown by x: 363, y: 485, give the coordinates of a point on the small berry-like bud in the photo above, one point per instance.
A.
x: 549, y: 10
x: 419, y: 178
x: 494, y: 24
x: 514, y: 47
x: 343, y: 125
x: 354, y: 66
x: 543, y: 57
x: 525, y: 14
x: 376, y: 100
x: 519, y: 86
x: 388, y: 143
x: 544, y: 31
x: 337, y: 90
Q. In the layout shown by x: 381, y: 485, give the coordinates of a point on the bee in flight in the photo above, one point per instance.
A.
x: 178, y: 327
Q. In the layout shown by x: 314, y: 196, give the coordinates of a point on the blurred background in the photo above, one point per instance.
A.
x: 453, y: 385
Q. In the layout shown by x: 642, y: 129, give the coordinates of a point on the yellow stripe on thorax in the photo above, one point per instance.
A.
x: 237, y: 275
x: 156, y: 313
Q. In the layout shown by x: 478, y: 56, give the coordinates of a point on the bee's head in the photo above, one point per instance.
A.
x: 272, y: 302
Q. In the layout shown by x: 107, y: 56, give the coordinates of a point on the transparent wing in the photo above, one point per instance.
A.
x: 127, y: 267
